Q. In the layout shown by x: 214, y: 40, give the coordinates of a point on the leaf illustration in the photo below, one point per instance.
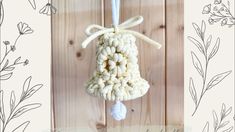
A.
x: 24, y: 109
x: 208, y: 42
x: 229, y: 129
x: 217, y: 2
x: 32, y: 3
x: 1, y: 13
x: 228, y: 5
x: 224, y: 124
x: 193, y: 91
x: 6, y: 76
x: 197, y: 64
x: 26, y: 87
x: 215, y: 49
x: 22, y: 127
x: 223, y: 110
x: 12, y: 101
x: 32, y: 90
x: 215, y: 117
x: 17, y: 60
x: 228, y: 112
x: 197, y: 29
x: 9, y: 68
x: 197, y: 44
x: 203, y: 29
x: 206, y: 128
x: 2, y: 113
x: 217, y: 79
x: 5, y: 65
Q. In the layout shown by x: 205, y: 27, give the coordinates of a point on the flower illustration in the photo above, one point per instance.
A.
x: 206, y: 9
x: 211, y: 21
x: 217, y: 2
x: 26, y: 62
x: 219, y: 13
x: 48, y: 9
x: 6, y: 42
x: 216, y: 8
x: 24, y: 28
x: 6, y: 67
x: 13, y: 48
x: 224, y: 22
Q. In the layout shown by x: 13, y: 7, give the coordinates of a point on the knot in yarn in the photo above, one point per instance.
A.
x: 116, y: 30
x: 118, y: 111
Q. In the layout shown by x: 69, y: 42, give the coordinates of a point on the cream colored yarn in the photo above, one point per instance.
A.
x: 117, y: 75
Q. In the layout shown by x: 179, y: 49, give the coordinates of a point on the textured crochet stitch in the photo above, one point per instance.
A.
x: 117, y: 76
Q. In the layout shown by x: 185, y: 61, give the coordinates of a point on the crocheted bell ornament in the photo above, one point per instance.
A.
x: 117, y: 76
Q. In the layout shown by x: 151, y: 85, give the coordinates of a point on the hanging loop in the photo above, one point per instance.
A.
x: 115, y: 11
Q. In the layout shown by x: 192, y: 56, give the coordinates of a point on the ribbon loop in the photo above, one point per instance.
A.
x: 89, y: 29
x: 134, y: 21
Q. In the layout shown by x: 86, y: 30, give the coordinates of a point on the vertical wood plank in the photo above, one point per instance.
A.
x: 175, y: 64
x: 72, y: 66
x: 146, y: 113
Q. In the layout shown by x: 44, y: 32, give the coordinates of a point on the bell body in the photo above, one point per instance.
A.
x: 117, y: 76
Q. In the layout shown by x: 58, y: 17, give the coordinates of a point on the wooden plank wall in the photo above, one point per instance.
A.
x: 174, y: 63
x: 162, y: 106
x: 72, y: 66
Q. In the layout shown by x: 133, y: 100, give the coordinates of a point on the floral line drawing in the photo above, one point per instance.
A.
x: 220, y: 123
x: 204, y: 45
x: 6, y: 69
x: 18, y: 108
x: 48, y: 9
x: 219, y: 12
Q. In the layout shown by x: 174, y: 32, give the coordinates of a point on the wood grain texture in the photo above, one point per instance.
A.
x: 72, y: 66
x: 162, y: 106
x: 150, y: 109
x: 174, y: 63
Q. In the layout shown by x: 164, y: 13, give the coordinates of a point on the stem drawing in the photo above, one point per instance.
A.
x: 219, y: 12
x: 220, y: 124
x: 1, y: 12
x: 18, y: 108
x: 204, y: 46
x: 7, y: 67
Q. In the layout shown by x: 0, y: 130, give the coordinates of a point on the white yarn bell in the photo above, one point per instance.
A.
x: 117, y: 76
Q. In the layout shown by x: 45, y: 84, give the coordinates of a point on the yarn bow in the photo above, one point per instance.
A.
x: 123, y: 27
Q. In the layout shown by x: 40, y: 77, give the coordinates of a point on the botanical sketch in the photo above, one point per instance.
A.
x: 17, y: 106
x: 8, y: 66
x: 219, y: 12
x: 203, y: 44
x: 220, y: 124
